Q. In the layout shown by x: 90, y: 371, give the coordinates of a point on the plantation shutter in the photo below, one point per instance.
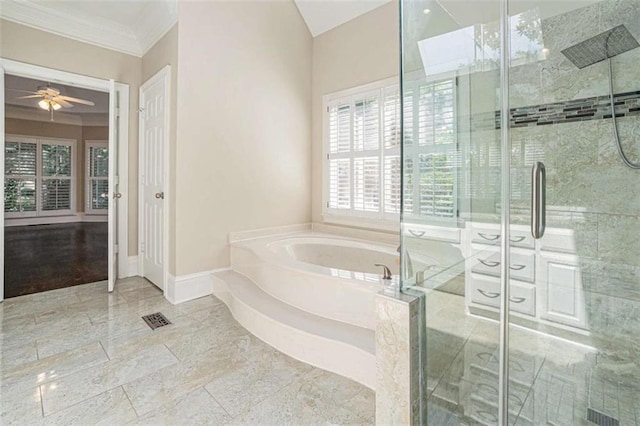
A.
x: 56, y: 177
x: 98, y: 177
x: 20, y: 177
x: 364, y: 163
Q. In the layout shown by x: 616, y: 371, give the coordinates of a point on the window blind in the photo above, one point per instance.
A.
x: 38, y: 177
x: 364, y: 172
x: 98, y: 176
x: 20, y: 182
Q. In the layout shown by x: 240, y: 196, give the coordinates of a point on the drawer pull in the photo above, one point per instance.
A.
x: 489, y: 263
x: 517, y: 267
x: 488, y: 294
x: 516, y: 398
x: 486, y: 356
x: 418, y: 234
x: 517, y: 299
x: 489, y: 388
x: 516, y: 239
x: 489, y: 237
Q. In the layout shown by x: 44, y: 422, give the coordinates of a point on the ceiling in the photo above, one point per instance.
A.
x: 323, y: 15
x: 131, y: 27
x: 101, y: 99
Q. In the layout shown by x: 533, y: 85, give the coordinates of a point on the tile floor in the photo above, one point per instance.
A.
x: 80, y: 356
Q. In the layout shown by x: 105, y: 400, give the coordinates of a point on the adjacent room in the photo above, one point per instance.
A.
x: 56, y: 186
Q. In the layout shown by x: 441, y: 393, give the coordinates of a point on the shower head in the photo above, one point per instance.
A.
x: 601, y: 47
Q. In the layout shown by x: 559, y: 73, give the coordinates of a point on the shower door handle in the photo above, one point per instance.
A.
x: 538, y: 200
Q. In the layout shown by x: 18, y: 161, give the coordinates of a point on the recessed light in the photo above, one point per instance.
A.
x: 426, y: 11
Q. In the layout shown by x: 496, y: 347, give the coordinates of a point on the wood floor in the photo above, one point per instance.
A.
x: 47, y: 257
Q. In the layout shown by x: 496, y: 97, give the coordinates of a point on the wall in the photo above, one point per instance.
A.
x: 63, y: 131
x: 32, y: 46
x: 358, y: 52
x: 243, y: 125
x: 165, y: 52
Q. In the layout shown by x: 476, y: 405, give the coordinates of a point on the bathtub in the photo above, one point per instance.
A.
x: 311, y: 295
x: 323, y: 274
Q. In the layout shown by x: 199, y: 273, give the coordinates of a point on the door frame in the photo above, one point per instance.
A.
x: 36, y: 72
x: 163, y: 74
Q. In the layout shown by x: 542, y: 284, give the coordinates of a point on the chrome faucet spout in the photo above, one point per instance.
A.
x: 408, y: 264
x: 386, y: 273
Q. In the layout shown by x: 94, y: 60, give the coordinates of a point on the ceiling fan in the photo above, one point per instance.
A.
x: 52, y: 100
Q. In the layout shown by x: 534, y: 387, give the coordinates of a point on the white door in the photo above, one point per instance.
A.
x: 153, y: 139
x: 114, y: 195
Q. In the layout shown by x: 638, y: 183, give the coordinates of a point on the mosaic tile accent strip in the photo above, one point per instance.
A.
x: 594, y: 108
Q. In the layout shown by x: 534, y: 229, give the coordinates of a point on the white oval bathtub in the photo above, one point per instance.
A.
x: 323, y: 274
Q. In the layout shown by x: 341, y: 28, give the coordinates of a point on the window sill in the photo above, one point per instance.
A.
x: 384, y: 225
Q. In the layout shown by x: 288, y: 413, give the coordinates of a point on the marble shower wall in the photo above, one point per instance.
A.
x: 589, y: 189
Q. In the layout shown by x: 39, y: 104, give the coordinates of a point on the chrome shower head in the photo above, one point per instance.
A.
x: 601, y: 47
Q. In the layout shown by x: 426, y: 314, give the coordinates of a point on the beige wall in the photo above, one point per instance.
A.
x: 32, y: 46
x: 80, y: 134
x: 243, y: 125
x: 165, y: 52
x: 358, y: 52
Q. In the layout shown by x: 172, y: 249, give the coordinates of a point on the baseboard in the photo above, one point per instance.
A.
x: 132, y: 267
x: 51, y: 220
x: 188, y: 287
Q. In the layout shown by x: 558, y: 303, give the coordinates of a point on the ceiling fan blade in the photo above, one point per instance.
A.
x: 23, y: 91
x: 76, y: 100
x: 29, y: 97
x: 63, y: 102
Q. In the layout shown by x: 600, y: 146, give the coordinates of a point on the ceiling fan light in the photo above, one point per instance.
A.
x: 56, y: 106
x: 44, y: 104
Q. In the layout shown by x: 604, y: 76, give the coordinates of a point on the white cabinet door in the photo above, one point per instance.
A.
x: 562, y: 296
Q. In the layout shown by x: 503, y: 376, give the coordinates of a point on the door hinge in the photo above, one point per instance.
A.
x: 141, y: 247
x: 327, y: 204
x: 118, y: 112
x: 116, y: 249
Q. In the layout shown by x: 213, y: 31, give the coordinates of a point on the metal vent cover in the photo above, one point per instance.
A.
x: 156, y: 320
x: 601, y: 419
x: 600, y: 47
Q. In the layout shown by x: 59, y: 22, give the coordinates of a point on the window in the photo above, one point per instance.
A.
x: 363, y: 159
x: 97, y: 177
x: 39, y: 177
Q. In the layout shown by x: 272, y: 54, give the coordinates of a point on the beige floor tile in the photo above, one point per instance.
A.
x: 109, y: 408
x: 195, y: 408
x: 70, y: 390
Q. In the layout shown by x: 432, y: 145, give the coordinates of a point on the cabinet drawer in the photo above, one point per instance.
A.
x: 435, y: 233
x: 490, y: 234
x: 522, y: 265
x: 486, y: 291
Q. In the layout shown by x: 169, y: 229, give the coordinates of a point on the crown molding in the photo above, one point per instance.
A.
x: 61, y: 19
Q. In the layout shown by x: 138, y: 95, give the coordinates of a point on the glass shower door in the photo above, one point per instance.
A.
x: 452, y: 202
x: 574, y: 325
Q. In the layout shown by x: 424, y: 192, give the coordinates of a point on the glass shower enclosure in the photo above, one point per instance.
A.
x: 521, y: 206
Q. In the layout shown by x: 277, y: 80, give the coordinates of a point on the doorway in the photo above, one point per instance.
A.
x: 71, y: 199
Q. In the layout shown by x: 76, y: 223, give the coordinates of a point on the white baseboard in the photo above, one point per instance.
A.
x: 50, y: 220
x: 132, y: 267
x: 188, y: 287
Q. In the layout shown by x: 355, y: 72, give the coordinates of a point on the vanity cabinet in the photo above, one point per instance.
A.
x: 545, y: 279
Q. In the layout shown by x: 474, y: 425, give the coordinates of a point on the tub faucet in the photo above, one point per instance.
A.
x: 408, y: 264
x: 386, y: 274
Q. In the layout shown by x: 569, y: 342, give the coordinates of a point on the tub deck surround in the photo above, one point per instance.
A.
x: 280, y: 266
x: 331, y: 345
x: 310, y: 295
